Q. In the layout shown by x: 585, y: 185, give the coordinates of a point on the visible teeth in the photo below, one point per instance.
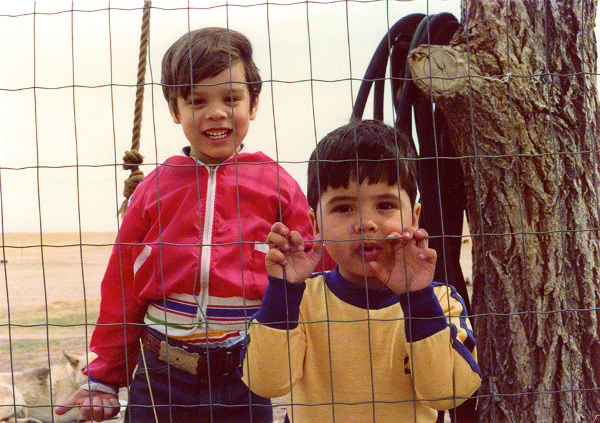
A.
x: 217, y: 134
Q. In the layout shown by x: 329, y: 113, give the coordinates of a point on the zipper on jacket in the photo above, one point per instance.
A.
x: 211, y: 186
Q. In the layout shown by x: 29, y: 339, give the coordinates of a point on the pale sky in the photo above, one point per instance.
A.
x: 60, y: 144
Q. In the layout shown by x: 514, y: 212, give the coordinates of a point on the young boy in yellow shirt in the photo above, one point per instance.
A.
x: 375, y: 339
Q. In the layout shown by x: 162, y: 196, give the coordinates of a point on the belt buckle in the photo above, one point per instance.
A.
x: 179, y: 358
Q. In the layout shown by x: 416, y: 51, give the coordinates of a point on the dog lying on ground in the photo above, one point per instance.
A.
x: 28, y: 400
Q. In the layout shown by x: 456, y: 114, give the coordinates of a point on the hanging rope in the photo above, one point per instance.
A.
x: 132, y: 158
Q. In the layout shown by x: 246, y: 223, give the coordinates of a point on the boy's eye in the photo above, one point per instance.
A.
x: 231, y: 99
x: 342, y: 208
x: 387, y: 205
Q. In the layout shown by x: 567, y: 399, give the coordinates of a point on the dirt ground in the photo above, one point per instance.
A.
x: 51, y: 293
x: 50, y: 296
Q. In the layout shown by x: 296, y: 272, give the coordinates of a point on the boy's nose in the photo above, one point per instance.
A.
x: 216, y: 111
x: 366, y: 224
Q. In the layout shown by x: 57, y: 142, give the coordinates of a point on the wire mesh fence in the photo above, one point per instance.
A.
x: 507, y: 166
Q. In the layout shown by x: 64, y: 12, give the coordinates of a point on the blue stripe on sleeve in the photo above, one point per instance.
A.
x: 280, y: 307
x: 463, y: 351
x: 470, y: 340
x: 423, y: 313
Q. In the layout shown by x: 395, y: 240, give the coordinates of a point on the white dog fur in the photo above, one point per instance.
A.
x: 28, y: 400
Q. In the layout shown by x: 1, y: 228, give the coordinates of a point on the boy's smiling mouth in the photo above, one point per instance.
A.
x: 217, y: 134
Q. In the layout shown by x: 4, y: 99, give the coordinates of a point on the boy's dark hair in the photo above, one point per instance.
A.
x: 363, y: 151
x: 210, y: 51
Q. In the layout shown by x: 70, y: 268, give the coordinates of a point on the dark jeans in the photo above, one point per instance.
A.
x: 180, y: 397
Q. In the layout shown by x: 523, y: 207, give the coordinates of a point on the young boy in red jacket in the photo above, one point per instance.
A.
x: 188, y: 269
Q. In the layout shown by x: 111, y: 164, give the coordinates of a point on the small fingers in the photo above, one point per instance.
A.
x: 278, y: 237
x: 280, y: 228
x: 86, y: 413
x: 97, y: 407
x: 70, y: 403
x: 420, y: 235
x: 92, y: 405
x: 86, y: 409
x: 102, y: 408
x: 422, y: 238
x: 412, y: 233
x: 296, y: 241
x: 291, y: 241
x: 276, y: 256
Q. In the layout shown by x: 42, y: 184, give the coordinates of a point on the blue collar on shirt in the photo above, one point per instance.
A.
x: 372, y: 299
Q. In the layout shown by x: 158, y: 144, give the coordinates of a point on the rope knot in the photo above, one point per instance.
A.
x: 132, y: 159
x: 131, y: 184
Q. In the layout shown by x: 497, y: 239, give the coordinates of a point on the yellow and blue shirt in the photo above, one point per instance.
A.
x: 344, y: 353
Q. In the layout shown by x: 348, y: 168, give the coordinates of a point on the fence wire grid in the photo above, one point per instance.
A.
x: 68, y: 85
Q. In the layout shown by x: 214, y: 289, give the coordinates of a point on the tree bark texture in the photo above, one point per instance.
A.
x: 518, y: 88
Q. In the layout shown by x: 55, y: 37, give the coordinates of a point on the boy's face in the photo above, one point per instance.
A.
x: 212, y: 111
x: 354, y: 222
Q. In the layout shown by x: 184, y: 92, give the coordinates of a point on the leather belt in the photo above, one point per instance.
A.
x: 192, y: 359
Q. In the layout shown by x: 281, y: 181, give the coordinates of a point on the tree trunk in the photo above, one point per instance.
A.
x: 522, y: 107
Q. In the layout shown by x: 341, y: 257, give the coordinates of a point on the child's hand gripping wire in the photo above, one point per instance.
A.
x: 414, y: 264
x: 287, y: 257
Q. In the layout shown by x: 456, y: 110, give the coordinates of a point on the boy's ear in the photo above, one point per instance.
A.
x: 254, y: 108
x: 416, y: 214
x: 174, y: 115
x: 312, y: 217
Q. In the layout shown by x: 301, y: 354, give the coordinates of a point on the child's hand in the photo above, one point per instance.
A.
x: 414, y: 264
x: 286, y: 254
x: 92, y: 404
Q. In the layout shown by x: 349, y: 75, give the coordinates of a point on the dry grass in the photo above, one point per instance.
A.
x: 50, y: 295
